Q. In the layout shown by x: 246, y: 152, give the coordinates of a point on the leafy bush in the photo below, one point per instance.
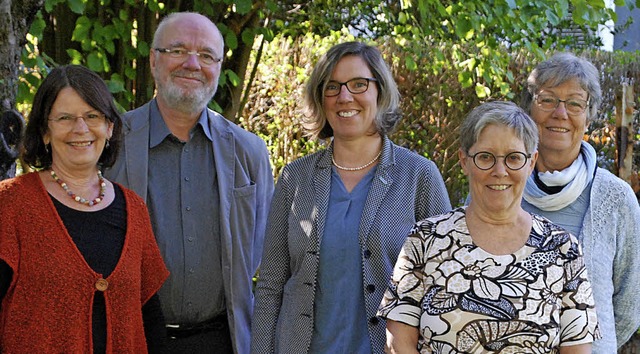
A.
x: 436, y: 96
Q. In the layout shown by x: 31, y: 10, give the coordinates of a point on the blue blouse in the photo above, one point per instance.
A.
x: 340, y: 317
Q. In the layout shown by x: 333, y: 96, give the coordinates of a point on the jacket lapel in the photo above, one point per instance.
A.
x: 379, y: 188
x: 137, y: 151
x: 322, y: 190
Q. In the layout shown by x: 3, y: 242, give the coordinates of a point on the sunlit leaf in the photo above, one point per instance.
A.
x: 82, y: 30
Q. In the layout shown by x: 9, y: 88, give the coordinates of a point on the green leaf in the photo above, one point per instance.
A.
x: 94, y: 62
x: 110, y: 47
x: 552, y: 17
x: 37, y: 27
x: 83, y: 27
x: 247, y: 36
x: 465, y: 79
x: 120, y: 28
x: 482, y: 91
x: 222, y: 80
x: 115, y: 84
x: 243, y: 6
x: 130, y: 72
x: 50, y: 4
x: 231, y: 40
x: 123, y: 15
x: 75, y: 56
x: 464, y: 29
x: 76, y: 6
x: 234, y: 79
x: 143, y: 48
x: 153, y: 5
x: 33, y: 80
x: 410, y: 63
x: 272, y: 6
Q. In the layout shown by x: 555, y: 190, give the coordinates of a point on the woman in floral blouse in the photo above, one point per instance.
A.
x: 490, y: 277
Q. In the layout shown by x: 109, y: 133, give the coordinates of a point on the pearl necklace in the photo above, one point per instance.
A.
x: 79, y: 199
x: 356, y: 168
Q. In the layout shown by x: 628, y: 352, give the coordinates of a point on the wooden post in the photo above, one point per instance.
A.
x: 624, y: 132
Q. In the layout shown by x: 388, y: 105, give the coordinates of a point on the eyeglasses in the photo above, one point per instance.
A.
x: 355, y: 86
x: 514, y: 160
x: 549, y: 103
x: 204, y: 58
x: 92, y: 120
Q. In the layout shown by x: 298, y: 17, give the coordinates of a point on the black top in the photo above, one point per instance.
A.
x: 99, y: 236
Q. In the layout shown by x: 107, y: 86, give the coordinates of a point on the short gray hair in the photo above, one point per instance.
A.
x: 388, y: 115
x: 558, y: 69
x: 503, y: 113
x: 174, y: 16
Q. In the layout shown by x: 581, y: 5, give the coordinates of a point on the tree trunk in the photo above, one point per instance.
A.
x: 15, y: 20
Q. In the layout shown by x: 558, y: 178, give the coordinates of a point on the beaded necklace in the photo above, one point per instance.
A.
x: 77, y: 198
x: 356, y: 168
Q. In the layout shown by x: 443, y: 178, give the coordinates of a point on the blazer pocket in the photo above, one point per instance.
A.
x: 242, y: 216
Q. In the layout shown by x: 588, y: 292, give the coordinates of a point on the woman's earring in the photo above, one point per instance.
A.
x: 46, y: 148
x: 106, y: 145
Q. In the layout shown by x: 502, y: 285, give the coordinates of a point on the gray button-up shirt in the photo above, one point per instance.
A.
x: 183, y: 203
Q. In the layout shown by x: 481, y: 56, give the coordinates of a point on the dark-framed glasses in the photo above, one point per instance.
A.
x: 355, y: 86
x: 549, y: 103
x: 514, y: 161
x: 92, y: 120
x: 205, y: 58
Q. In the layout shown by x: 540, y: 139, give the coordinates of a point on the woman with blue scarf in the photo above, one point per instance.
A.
x: 562, y: 96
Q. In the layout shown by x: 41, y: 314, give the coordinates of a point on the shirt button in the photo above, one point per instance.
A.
x: 191, y: 270
x: 102, y: 284
x: 371, y: 288
x: 190, y: 239
x: 188, y: 208
x: 374, y: 320
x: 367, y: 254
x: 186, y: 179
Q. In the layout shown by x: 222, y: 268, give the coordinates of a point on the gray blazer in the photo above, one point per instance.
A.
x: 406, y: 188
x: 245, y: 184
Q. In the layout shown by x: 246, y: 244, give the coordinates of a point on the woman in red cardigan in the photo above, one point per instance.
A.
x: 79, y: 266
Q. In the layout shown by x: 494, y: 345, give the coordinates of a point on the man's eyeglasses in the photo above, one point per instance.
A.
x: 355, y: 86
x: 514, y: 160
x: 549, y: 103
x: 92, y: 120
x: 205, y: 58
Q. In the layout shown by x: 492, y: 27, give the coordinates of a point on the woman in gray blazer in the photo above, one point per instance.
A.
x: 339, y: 217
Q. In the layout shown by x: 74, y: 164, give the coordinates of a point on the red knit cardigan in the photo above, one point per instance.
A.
x: 48, y: 306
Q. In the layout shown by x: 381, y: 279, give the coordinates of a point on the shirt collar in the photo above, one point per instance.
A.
x: 159, y: 130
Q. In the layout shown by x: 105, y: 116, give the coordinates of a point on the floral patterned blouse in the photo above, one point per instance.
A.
x: 467, y: 300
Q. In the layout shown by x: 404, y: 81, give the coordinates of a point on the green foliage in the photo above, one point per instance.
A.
x: 497, y: 29
x: 274, y: 108
x: 434, y: 100
x: 447, y: 57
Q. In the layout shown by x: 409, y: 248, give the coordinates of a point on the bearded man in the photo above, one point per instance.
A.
x: 207, y: 184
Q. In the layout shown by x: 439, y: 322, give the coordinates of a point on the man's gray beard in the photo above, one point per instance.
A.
x: 188, y: 102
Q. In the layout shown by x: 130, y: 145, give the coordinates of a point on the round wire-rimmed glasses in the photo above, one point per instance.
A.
x: 514, y: 161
